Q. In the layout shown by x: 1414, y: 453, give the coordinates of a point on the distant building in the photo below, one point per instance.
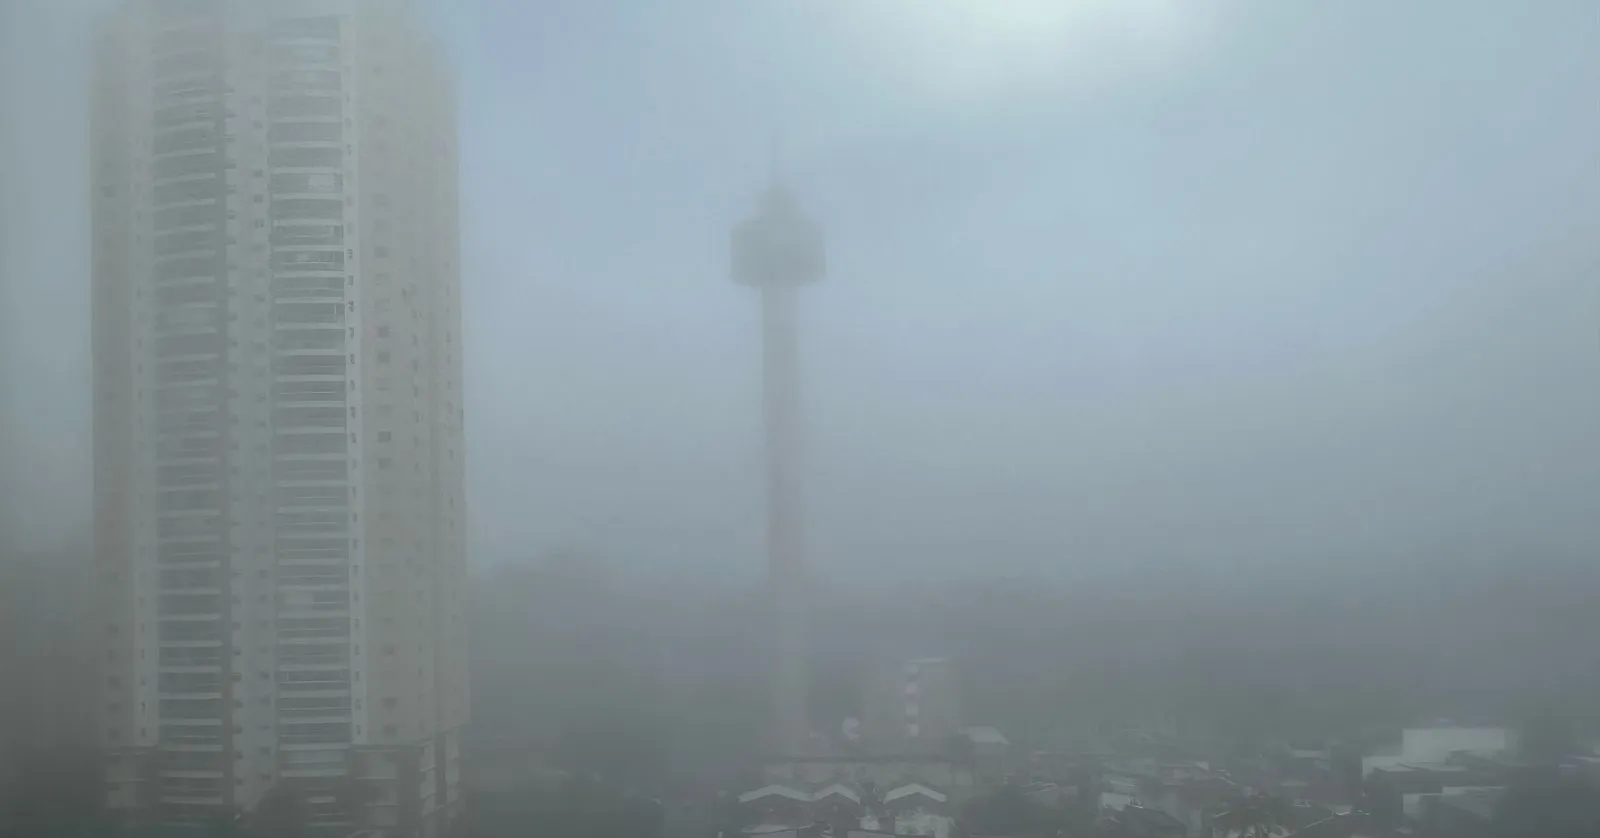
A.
x: 955, y: 777
x: 991, y: 753
x: 1466, y: 814
x: 1432, y: 745
x: 848, y: 808
x: 911, y: 705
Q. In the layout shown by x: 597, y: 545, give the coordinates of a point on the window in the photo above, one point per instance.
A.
x: 304, y: 132
x: 297, y: 653
x: 190, y: 630
x: 191, y: 734
x: 187, y: 164
x: 172, y: 90
x: 188, y: 267
x: 320, y: 208
x: 185, y: 139
x: 208, y: 292
x: 309, y: 260
x: 384, y: 436
x: 309, y: 443
x: 321, y: 521
x: 191, y: 707
x: 180, y: 579
x: 190, y: 604
x: 333, y: 676
x: 309, y: 287
x: 196, y: 525
x: 298, y: 107
x: 309, y: 365
x: 306, y: 338
x: 171, y: 243
x: 325, y: 80
x: 203, y: 189
x: 314, y: 759
x: 306, y: 575
x: 309, y: 417
x: 309, y: 391
x: 190, y: 682
x: 189, y: 499
x: 191, y: 786
x: 299, y: 182
x: 201, y: 344
x: 192, y: 216
x: 310, y: 733
x: 173, y: 115
x: 297, y: 157
x: 312, y: 706
x: 191, y: 761
x: 186, y: 422
x: 188, y: 553
x: 308, y: 234
x: 186, y: 475
x: 302, y: 547
x: 305, y: 54
x: 308, y: 313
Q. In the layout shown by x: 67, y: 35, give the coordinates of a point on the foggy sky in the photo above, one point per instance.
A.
x: 1109, y: 282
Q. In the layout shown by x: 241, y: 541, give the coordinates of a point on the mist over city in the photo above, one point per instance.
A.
x: 979, y: 418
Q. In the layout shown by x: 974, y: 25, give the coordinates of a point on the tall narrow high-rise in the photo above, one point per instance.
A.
x: 776, y: 251
x: 279, y: 514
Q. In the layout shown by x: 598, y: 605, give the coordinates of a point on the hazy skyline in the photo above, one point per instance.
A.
x: 1107, y: 282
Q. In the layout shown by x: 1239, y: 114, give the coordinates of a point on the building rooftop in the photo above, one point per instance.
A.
x: 914, y: 789
x: 1479, y: 803
x: 802, y: 794
x: 985, y: 735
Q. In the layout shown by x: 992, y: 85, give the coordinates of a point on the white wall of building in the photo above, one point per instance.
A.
x: 279, y: 501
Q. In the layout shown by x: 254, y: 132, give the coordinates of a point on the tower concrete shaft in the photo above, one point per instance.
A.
x: 786, y: 563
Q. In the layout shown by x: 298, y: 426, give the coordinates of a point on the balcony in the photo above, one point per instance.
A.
x: 286, y: 260
x: 287, y: 234
x: 334, y: 572
x: 189, y: 653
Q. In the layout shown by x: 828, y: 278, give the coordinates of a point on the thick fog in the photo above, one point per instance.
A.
x: 1108, y: 282
x: 1229, y: 369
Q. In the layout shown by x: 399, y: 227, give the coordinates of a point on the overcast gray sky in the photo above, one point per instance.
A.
x: 1110, y: 280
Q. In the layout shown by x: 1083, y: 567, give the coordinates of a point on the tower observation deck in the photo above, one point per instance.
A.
x: 777, y: 251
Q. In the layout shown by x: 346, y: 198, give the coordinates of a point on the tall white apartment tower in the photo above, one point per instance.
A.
x: 278, y: 423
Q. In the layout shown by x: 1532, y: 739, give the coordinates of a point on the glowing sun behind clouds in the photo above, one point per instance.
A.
x: 956, y: 48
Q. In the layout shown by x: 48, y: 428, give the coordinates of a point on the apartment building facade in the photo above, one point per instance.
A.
x: 279, y: 514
